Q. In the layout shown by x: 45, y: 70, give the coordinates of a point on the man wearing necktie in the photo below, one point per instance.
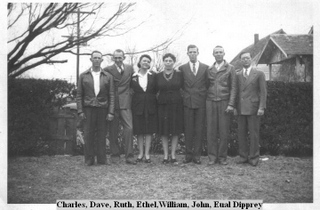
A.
x: 219, y: 105
x: 122, y: 78
x: 251, y: 103
x: 95, y: 104
x: 194, y: 100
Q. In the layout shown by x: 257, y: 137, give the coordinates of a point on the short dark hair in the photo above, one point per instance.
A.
x: 119, y: 51
x: 192, y: 46
x: 96, y: 51
x: 244, y: 52
x: 169, y: 55
x: 143, y: 56
x: 218, y: 46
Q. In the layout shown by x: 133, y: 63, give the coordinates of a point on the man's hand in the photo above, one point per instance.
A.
x: 229, y: 109
x: 110, y: 117
x: 82, y: 116
x: 260, y: 112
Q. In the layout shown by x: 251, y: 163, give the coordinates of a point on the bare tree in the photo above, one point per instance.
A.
x: 37, y: 19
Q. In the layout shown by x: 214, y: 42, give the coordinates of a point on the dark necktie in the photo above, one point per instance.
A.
x: 194, y: 69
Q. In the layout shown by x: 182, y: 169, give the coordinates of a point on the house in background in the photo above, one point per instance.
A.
x: 255, y: 50
x: 295, y: 55
x: 283, y: 57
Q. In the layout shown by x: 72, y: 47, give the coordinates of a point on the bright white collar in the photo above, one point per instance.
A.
x: 138, y: 74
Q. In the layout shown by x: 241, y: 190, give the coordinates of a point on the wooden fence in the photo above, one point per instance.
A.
x: 63, y: 130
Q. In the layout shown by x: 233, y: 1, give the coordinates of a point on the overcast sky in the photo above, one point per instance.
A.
x: 205, y: 23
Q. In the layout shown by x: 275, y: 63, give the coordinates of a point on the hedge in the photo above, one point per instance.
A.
x: 30, y: 105
x: 286, y: 128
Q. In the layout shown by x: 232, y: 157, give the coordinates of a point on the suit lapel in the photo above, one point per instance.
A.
x: 195, y: 78
x: 242, y: 80
x: 190, y: 73
x: 125, y: 73
x: 252, y: 75
x: 115, y: 73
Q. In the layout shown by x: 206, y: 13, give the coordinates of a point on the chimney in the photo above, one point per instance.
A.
x: 256, y: 38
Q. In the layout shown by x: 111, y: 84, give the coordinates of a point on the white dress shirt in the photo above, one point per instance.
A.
x: 248, y: 72
x: 196, y: 65
x: 120, y: 69
x: 96, y: 81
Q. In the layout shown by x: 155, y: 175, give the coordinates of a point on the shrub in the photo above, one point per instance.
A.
x: 30, y: 105
x: 287, y: 127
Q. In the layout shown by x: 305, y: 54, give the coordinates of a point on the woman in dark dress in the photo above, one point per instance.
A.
x: 170, y: 107
x: 144, y: 106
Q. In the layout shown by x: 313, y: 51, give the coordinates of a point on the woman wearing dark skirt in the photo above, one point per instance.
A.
x: 144, y: 106
x: 170, y: 107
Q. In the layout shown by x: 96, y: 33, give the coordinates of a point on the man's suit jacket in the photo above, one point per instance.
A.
x: 86, y: 96
x: 252, y: 92
x: 123, y: 94
x: 195, y: 86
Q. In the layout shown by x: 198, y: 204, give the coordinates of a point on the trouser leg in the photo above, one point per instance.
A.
x: 101, y: 135
x: 188, y: 131
x: 113, y: 134
x: 126, y: 117
x: 242, y: 137
x: 254, y: 129
x: 199, y: 129
x: 212, y: 129
x: 224, y: 129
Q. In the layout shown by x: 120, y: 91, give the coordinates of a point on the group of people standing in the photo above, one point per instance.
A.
x: 194, y: 99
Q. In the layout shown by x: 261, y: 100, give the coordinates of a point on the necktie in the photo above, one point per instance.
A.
x: 194, y: 69
x: 120, y: 70
x: 246, y: 74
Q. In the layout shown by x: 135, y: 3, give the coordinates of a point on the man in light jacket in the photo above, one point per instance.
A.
x: 95, y: 104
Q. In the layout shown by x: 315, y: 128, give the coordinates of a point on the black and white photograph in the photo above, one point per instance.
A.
x: 160, y: 104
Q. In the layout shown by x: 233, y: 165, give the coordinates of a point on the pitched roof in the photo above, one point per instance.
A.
x: 254, y: 49
x: 294, y: 44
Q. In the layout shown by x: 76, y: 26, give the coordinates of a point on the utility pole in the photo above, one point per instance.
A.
x: 78, y: 37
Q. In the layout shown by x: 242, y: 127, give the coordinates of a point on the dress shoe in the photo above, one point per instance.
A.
x: 187, y: 161
x: 139, y: 160
x: 241, y: 161
x: 147, y: 160
x: 115, y: 159
x: 197, y: 162
x: 223, y: 162
x: 89, y: 162
x: 130, y: 161
x: 210, y: 163
x: 165, y: 161
x: 173, y: 160
x: 253, y: 162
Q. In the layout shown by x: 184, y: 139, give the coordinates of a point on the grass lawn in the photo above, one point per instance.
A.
x: 48, y: 178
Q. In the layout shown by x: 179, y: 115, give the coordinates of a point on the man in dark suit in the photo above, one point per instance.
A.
x: 220, y: 103
x: 251, y: 103
x: 194, y: 100
x: 122, y: 78
x: 95, y: 104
